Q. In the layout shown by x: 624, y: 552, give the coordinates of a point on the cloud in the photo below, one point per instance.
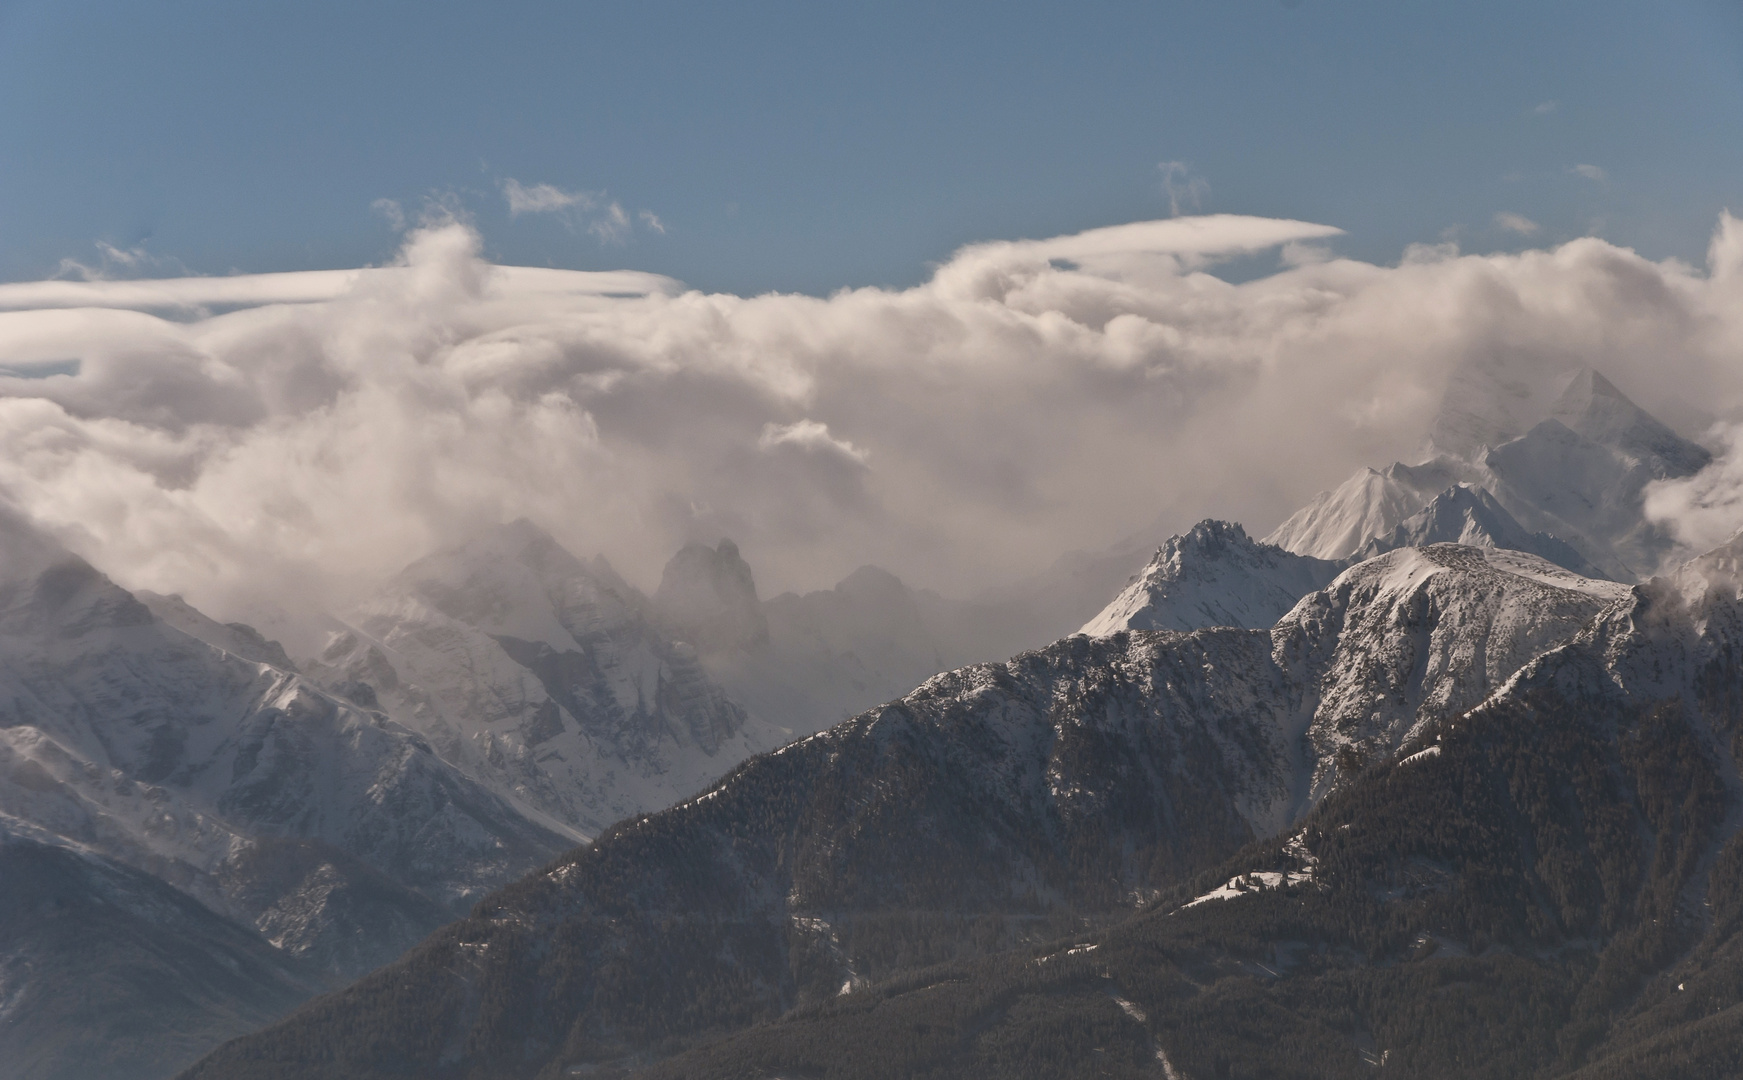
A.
x: 612, y: 226
x: 116, y: 262
x: 391, y: 212
x: 289, y: 440
x: 1182, y: 186
x: 1544, y: 108
x: 1590, y: 172
x: 1704, y: 510
x: 1517, y: 223
x: 811, y: 436
x: 543, y: 198
x: 306, y: 287
x: 584, y: 211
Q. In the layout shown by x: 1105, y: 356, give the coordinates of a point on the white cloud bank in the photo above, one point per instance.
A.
x: 1032, y: 397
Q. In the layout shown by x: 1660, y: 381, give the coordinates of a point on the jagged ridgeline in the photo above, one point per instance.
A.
x: 1460, y: 813
x: 199, y: 831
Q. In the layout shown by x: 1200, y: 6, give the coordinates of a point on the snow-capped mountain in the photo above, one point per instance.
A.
x: 1544, y: 885
x: 1569, y: 458
x: 129, y: 736
x: 1213, y: 575
x: 1078, y: 780
x: 133, y: 751
x: 1338, y: 523
x: 1468, y: 515
x: 546, y: 677
x: 1417, y: 635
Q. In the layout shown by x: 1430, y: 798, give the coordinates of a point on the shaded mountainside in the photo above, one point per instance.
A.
x: 107, y: 972
x: 1548, y: 885
x: 992, y: 808
x: 1549, y: 894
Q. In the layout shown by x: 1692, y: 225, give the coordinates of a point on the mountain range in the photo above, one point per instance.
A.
x: 1215, y: 848
x: 1424, y: 742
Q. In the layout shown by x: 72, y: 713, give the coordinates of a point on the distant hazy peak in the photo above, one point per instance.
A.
x: 1593, y: 407
x: 1371, y: 503
x: 1565, y: 452
x: 1470, y: 515
x: 708, y: 597
x: 1489, y: 402
x: 872, y: 581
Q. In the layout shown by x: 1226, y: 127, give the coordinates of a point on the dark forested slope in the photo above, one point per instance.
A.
x: 1105, y: 858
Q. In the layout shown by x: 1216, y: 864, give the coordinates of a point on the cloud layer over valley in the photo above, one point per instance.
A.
x: 290, y: 439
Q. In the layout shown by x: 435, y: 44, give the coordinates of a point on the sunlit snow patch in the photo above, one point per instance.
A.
x: 1257, y: 881
x: 1422, y: 755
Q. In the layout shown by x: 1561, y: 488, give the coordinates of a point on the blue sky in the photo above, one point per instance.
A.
x: 808, y: 147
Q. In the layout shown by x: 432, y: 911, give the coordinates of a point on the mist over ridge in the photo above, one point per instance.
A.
x: 277, y: 443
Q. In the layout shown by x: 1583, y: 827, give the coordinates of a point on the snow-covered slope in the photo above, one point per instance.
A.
x: 124, y: 734
x: 1421, y: 634
x: 1213, y: 575
x: 1338, y: 523
x: 543, y: 676
x: 1718, y: 572
x: 1568, y: 456
x: 1592, y: 407
x: 1471, y: 516
x: 1557, y: 481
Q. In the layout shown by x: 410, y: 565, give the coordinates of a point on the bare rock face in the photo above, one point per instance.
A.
x: 708, y: 598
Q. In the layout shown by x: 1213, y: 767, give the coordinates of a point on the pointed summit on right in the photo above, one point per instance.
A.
x: 1593, y: 407
x: 1565, y: 453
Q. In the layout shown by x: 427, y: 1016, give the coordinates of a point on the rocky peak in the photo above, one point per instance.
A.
x: 1214, y: 574
x: 709, y: 598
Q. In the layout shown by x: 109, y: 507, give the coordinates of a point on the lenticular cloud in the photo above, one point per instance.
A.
x: 283, y: 440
